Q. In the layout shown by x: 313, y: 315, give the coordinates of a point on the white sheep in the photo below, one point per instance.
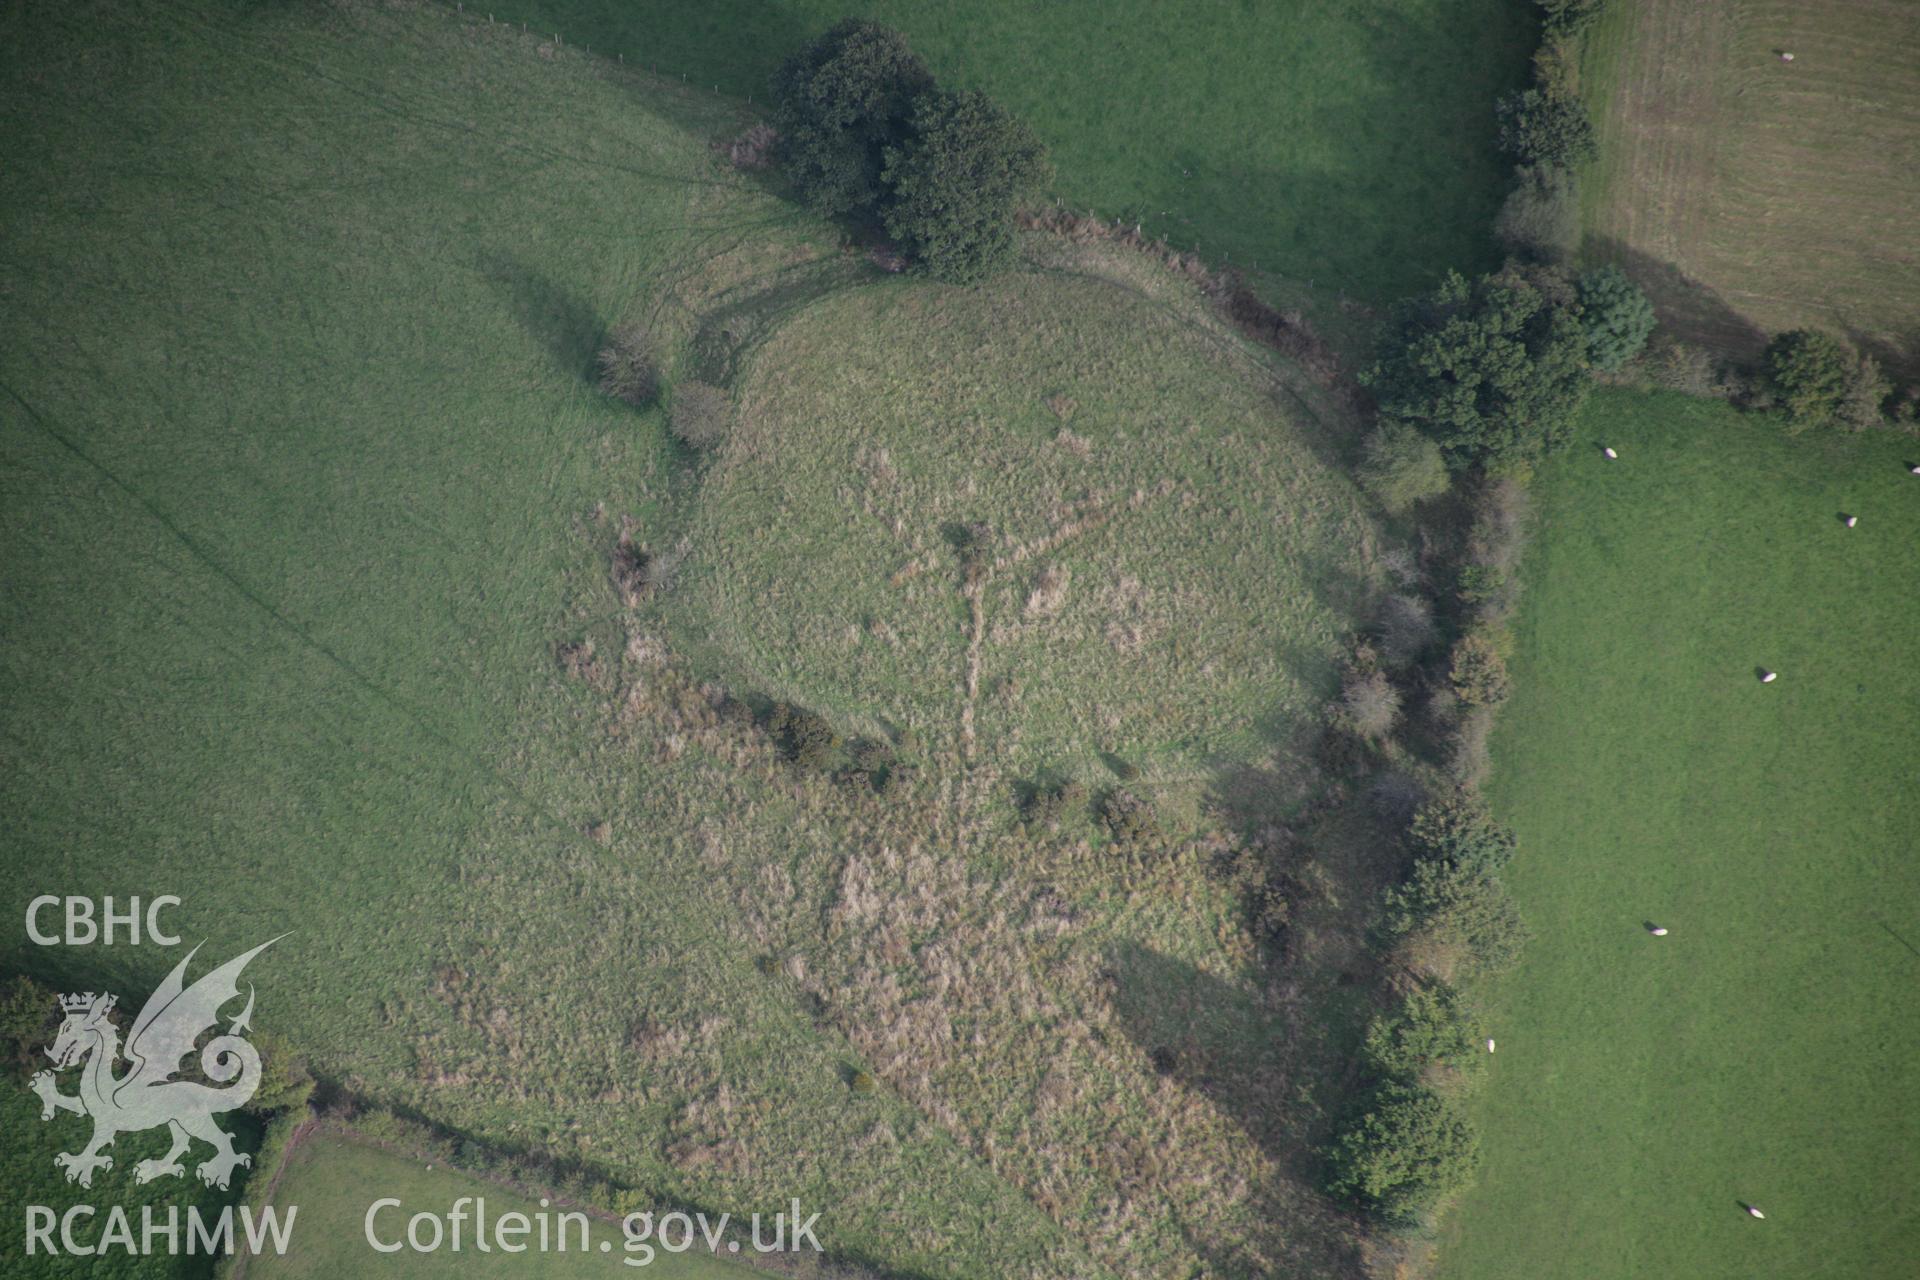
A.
x: 1768, y: 677
x: 1915, y: 470
x: 1852, y: 521
x: 1609, y: 453
x: 1786, y: 57
x: 1658, y: 931
x: 1489, y: 1044
x: 1755, y: 1212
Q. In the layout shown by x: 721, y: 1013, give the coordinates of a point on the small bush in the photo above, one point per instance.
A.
x: 870, y: 755
x: 1047, y: 807
x: 1405, y: 629
x: 1479, y: 673
x: 956, y: 181
x: 1540, y: 218
x: 754, y: 149
x: 628, y: 365
x: 1906, y: 409
x: 1406, y: 1151
x: 1470, y: 758
x: 1128, y: 818
x: 700, y: 414
x: 804, y: 736
x: 1546, y: 127
x: 1679, y: 366
x: 1480, y: 584
x: 1370, y: 705
x: 1432, y: 1027
x: 1401, y: 467
x: 640, y: 571
x: 1864, y: 404
x: 1618, y: 317
x: 860, y: 1080
x: 28, y: 1019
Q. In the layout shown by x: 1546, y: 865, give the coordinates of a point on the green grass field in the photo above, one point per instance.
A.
x: 307, y: 484
x: 1285, y: 135
x: 1749, y: 195
x: 333, y: 1179
x: 1766, y: 1050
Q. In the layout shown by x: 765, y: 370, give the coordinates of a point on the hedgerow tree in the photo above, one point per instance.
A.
x: 1432, y: 1027
x: 1410, y: 1147
x: 1807, y: 371
x: 1401, y: 467
x: 840, y: 104
x: 1493, y: 370
x: 1818, y: 379
x: 1459, y: 828
x: 1570, y: 17
x: 1865, y: 404
x: 1479, y: 672
x: 1541, y: 217
x: 1616, y: 315
x: 955, y: 181
x: 1463, y: 905
x: 1545, y: 126
x: 1369, y: 705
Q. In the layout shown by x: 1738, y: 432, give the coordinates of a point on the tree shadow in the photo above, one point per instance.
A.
x: 561, y: 321
x: 734, y: 44
x: 1898, y: 356
x: 1258, y: 1065
x: 1689, y: 308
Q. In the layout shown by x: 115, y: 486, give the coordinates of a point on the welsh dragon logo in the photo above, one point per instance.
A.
x: 147, y: 1094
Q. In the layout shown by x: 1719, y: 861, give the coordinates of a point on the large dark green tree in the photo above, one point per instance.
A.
x: 956, y: 180
x: 1494, y: 369
x: 840, y: 103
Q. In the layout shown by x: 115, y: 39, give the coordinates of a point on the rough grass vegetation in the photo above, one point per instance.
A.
x: 904, y: 534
